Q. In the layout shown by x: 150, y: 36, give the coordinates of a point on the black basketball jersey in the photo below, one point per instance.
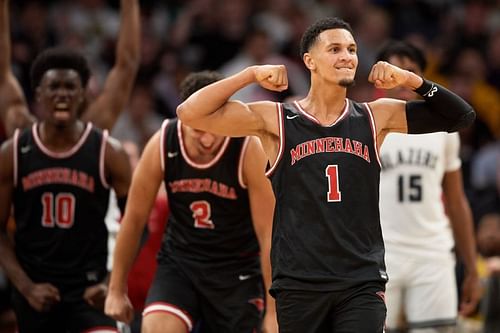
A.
x: 60, y: 201
x: 327, y: 233
x: 210, y: 219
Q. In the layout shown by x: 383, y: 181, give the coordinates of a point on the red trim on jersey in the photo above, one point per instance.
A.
x: 381, y: 294
x: 172, y: 309
x: 193, y: 163
x: 314, y: 119
x: 15, y: 143
x: 102, y: 156
x: 374, y: 131
x: 281, y: 131
x: 63, y: 154
x: 163, y: 134
x: 241, y: 161
x: 101, y: 329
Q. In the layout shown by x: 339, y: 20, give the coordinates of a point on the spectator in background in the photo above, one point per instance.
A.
x: 372, y: 30
x: 92, y: 21
x: 139, y: 121
x: 485, y: 180
x: 488, y: 240
x: 31, y: 34
x: 493, y: 54
x: 259, y: 49
x: 212, y: 31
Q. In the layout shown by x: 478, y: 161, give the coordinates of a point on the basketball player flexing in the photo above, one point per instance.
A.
x: 57, y: 175
x: 327, y: 248
x: 106, y: 108
x: 417, y: 172
x: 221, y: 207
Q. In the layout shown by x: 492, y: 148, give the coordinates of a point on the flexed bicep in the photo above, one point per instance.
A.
x: 210, y: 108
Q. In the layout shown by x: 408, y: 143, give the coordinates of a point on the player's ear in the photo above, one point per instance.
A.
x: 309, y: 61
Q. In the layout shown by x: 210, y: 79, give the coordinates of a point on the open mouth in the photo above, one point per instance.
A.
x: 206, y: 147
x: 62, y: 111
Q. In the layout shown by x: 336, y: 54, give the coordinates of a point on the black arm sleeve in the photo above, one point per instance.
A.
x: 440, y: 111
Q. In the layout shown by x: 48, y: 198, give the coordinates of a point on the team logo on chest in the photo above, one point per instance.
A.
x: 197, y: 185
x: 64, y: 176
x: 330, y: 144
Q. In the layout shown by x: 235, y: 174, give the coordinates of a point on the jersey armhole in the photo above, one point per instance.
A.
x: 241, y: 163
x: 281, y: 131
x: 15, y: 143
x: 374, y: 132
x: 102, y: 157
x: 163, y: 135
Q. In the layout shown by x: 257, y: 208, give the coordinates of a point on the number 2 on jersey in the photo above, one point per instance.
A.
x: 60, y: 212
x: 332, y: 174
x: 201, y: 214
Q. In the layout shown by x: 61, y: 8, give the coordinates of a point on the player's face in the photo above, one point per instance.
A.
x: 203, y: 142
x: 408, y: 64
x: 334, y: 56
x: 60, y: 94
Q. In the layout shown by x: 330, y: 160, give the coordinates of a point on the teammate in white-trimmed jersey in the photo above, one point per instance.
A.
x: 424, y: 212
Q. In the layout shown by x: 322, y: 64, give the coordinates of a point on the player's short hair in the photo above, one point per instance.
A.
x: 311, y: 34
x: 404, y: 50
x: 195, y: 81
x: 59, y: 58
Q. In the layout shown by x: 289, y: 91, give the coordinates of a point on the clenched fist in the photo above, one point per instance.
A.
x: 387, y: 76
x: 271, y: 77
x: 119, y: 307
x: 42, y: 296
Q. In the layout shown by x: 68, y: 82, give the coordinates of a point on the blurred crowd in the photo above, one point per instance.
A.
x: 461, y: 39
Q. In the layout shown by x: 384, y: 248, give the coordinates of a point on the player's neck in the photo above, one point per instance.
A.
x: 325, y: 102
x: 60, y: 138
x: 199, y: 155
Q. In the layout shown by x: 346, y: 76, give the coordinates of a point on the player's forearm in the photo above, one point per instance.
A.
x: 441, y: 110
x: 12, y: 268
x: 211, y: 98
x: 265, y: 258
x: 127, y: 245
x: 4, y: 40
x: 463, y: 231
x: 128, y: 45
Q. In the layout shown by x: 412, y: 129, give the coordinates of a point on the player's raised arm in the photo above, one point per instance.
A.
x: 441, y: 109
x: 105, y: 110
x: 209, y: 109
x: 13, y: 108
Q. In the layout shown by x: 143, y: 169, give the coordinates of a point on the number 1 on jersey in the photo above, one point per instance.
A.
x: 201, y: 214
x: 332, y: 174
